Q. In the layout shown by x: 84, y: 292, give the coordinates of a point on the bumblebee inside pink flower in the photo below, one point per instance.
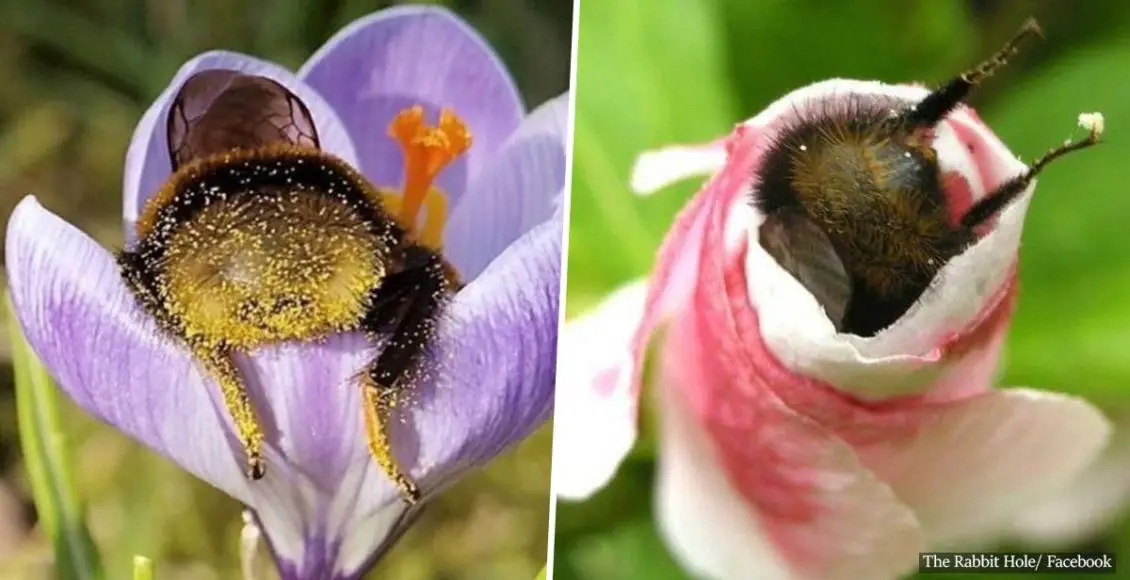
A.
x: 824, y: 320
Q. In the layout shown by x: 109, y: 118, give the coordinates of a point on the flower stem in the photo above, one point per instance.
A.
x: 248, y: 545
x: 48, y: 465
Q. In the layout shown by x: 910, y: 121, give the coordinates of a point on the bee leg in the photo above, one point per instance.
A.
x: 939, y: 103
x: 221, y: 367
x: 139, y: 277
x: 1003, y: 195
x: 406, y: 305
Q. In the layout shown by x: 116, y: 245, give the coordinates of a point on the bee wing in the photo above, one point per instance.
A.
x: 804, y: 250
x: 216, y: 111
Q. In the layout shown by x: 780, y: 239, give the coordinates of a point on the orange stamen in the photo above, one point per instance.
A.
x: 427, y: 150
x: 435, y: 215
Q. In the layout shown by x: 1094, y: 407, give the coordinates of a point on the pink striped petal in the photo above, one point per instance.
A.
x: 825, y: 514
x: 751, y: 488
x: 604, y: 379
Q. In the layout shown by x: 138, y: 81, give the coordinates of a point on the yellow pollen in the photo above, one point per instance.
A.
x: 427, y: 150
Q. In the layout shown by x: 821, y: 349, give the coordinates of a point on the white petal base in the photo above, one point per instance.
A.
x: 1090, y: 505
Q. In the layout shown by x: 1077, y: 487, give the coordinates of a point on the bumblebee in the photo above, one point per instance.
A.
x: 854, y: 201
x: 260, y: 236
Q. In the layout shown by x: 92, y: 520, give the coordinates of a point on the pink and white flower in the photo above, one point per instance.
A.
x: 791, y: 451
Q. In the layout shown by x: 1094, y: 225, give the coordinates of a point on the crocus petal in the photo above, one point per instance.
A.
x: 415, y: 55
x: 513, y: 193
x: 1010, y: 447
x: 502, y: 389
x: 655, y: 170
x: 83, y: 324
x: 479, y: 402
x: 592, y: 420
x: 310, y: 406
x: 147, y: 160
x: 483, y: 399
x: 845, y: 525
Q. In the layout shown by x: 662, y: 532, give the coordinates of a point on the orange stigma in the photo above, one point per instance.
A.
x: 427, y: 150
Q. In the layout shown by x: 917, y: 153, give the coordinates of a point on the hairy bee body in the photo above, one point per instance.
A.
x: 854, y: 201
x: 876, y: 194
x: 268, y: 245
x: 259, y: 236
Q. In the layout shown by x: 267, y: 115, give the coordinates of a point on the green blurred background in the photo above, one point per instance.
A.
x: 76, y: 76
x: 655, y: 72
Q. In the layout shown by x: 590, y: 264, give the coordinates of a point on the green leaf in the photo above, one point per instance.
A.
x: 627, y: 496
x: 142, y: 568
x: 541, y: 575
x: 631, y: 550
x: 779, y: 46
x: 103, y: 49
x: 48, y: 464
x: 652, y: 73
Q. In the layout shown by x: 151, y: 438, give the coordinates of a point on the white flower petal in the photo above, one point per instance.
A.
x: 972, y: 466
x: 1085, y: 509
x: 655, y: 170
x: 594, y: 426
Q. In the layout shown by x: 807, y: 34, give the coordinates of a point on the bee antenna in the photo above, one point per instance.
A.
x: 1008, y: 191
x: 939, y: 103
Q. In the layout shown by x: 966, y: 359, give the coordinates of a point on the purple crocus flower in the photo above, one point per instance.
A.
x: 325, y: 508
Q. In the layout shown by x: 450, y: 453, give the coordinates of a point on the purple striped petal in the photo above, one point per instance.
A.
x: 409, y: 55
x: 312, y: 413
x: 83, y: 324
x: 515, y: 191
x: 147, y: 160
x: 501, y: 389
x: 483, y: 400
